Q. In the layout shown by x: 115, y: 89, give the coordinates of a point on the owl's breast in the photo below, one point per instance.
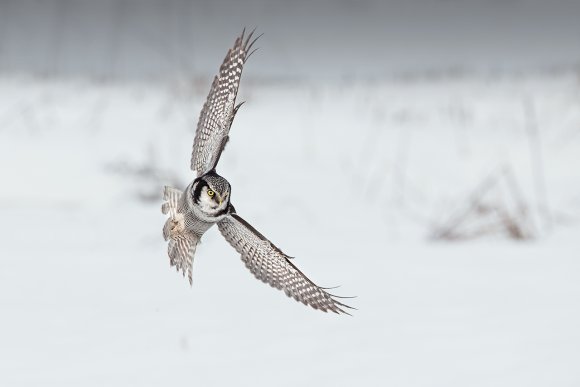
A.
x: 195, y: 223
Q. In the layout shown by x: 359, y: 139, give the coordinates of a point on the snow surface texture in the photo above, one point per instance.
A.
x: 349, y: 178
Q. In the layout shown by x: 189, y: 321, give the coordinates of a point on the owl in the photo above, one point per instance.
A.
x: 207, y: 199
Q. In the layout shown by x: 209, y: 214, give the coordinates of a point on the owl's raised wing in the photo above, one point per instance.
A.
x: 270, y: 265
x: 219, y: 109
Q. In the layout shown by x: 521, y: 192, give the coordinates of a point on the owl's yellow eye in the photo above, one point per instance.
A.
x: 210, y: 193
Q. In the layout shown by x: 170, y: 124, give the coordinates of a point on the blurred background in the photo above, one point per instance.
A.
x: 445, y: 136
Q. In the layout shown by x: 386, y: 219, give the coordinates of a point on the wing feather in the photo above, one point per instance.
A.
x: 219, y: 109
x: 270, y: 265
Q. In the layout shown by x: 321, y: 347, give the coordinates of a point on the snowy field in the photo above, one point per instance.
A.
x: 353, y: 179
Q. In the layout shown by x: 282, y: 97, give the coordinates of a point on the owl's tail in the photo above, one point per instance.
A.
x: 181, y: 250
x: 182, y: 243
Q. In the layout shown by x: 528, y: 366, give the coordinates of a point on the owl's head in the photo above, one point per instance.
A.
x: 211, y: 192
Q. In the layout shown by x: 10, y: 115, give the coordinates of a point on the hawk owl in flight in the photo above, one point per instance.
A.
x: 206, y: 200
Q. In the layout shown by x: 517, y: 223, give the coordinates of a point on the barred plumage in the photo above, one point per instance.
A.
x: 182, y: 242
x: 206, y: 200
x: 270, y: 265
x: 219, y: 109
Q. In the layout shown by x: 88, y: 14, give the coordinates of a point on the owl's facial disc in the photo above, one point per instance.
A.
x: 211, y: 193
x: 210, y: 198
x: 217, y: 197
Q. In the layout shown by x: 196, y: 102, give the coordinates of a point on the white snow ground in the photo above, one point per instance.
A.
x: 350, y: 178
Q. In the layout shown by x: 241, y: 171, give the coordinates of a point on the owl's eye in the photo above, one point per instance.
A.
x: 210, y: 193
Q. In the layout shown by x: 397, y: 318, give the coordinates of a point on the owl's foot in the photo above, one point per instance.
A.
x: 174, y: 227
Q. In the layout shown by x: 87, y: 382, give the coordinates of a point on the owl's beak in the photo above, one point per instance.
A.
x: 223, y: 198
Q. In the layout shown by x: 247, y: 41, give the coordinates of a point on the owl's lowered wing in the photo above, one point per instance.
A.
x: 219, y: 109
x: 270, y: 265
